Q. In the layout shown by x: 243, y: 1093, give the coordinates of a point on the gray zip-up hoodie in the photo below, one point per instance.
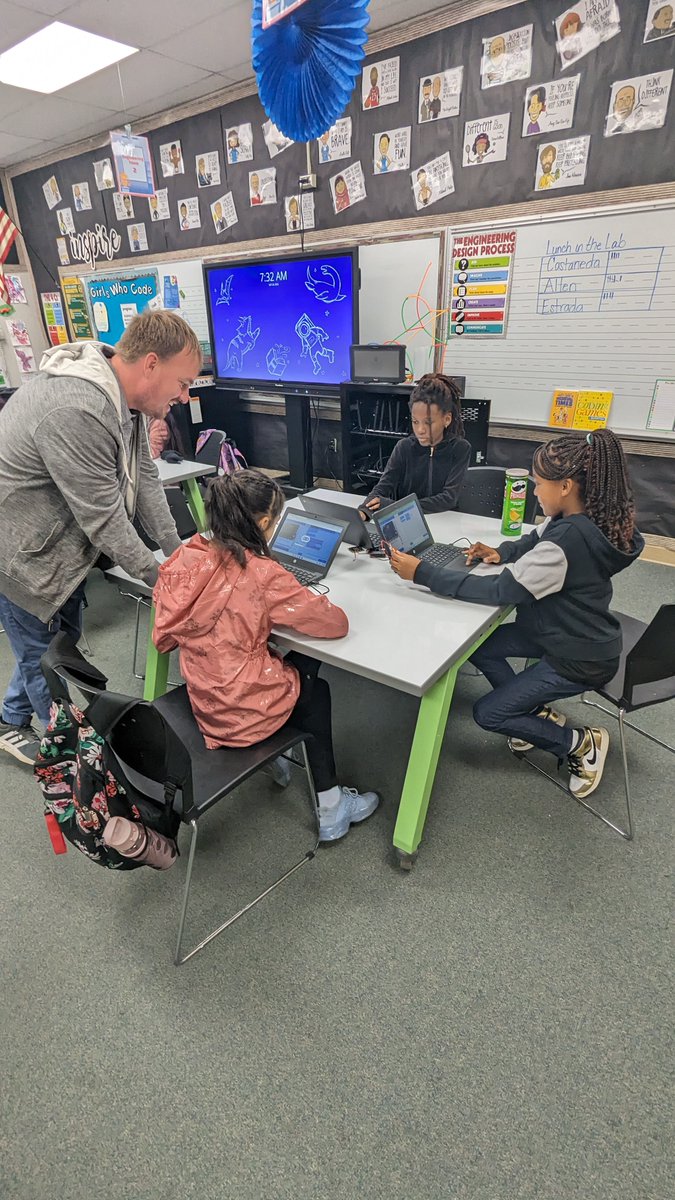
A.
x: 75, y: 469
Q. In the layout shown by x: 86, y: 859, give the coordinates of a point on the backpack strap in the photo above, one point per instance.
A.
x: 62, y: 658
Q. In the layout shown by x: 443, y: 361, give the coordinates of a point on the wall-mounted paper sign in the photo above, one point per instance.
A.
x: 133, y: 163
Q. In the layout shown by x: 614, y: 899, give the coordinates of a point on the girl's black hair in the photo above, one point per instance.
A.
x: 444, y: 393
x: 232, y: 504
x: 598, y: 464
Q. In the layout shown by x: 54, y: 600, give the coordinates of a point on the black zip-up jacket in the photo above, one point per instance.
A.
x: 434, y: 473
x: 559, y: 577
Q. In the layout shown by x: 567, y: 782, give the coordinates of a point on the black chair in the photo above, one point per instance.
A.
x: 159, y: 750
x: 483, y: 493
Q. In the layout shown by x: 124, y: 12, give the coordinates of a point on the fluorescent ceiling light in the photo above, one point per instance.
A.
x: 59, y: 55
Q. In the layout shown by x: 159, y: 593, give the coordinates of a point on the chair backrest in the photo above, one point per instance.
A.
x: 483, y: 493
x: 180, y: 512
x: 652, y: 658
x: 209, y: 450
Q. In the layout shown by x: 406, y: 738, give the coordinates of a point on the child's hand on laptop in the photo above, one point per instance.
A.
x: 479, y: 552
x: 405, y: 565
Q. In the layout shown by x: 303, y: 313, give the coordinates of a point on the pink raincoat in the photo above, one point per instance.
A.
x: 220, y: 615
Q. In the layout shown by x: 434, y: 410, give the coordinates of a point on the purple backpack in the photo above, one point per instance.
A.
x: 216, y: 448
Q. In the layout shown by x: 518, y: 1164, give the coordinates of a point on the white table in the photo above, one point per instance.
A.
x: 400, y: 635
x: 186, y: 474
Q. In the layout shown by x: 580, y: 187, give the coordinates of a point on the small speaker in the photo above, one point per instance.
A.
x: 378, y: 364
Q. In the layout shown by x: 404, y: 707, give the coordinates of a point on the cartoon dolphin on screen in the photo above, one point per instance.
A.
x: 324, y: 282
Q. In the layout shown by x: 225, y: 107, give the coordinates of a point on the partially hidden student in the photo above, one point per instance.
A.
x: 217, y: 599
x: 433, y: 461
x: 559, y: 577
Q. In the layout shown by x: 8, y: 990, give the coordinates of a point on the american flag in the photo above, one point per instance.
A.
x: 8, y: 232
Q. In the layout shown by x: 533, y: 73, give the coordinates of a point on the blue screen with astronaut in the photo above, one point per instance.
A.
x: 284, y: 322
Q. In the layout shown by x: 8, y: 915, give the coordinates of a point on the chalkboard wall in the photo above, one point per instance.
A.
x: 639, y: 158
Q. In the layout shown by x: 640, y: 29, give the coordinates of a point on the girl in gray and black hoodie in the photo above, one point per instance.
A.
x: 559, y: 578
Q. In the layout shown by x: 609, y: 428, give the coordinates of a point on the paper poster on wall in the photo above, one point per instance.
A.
x: 76, y: 305
x: 103, y: 174
x: 25, y: 359
x: 660, y: 21
x: 171, y: 159
x: 159, y: 205
x: 170, y: 292
x: 114, y: 300
x: 52, y: 307
x: 662, y: 410
x: 440, y: 95
x: 299, y: 212
x: 562, y: 164
x: 51, y: 193
x: 550, y: 106
x: 138, y: 240
x: 348, y: 187
x: 4, y: 373
x: 239, y: 144
x: 81, y: 198
x: 262, y: 186
x: 275, y: 140
x: 379, y: 83
x: 62, y: 251
x: 124, y: 207
x: 64, y: 217
x: 580, y: 409
x: 18, y: 332
x: 391, y: 151
x: 432, y: 181
x: 638, y: 103
x: 482, y: 272
x: 188, y: 214
x: 336, y: 142
x: 207, y: 167
x: 15, y: 289
x: 583, y: 26
x: 506, y: 57
x: 486, y: 140
x: 133, y: 163
x: 224, y: 213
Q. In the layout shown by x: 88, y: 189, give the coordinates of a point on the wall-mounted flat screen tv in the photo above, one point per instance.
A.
x: 283, y: 324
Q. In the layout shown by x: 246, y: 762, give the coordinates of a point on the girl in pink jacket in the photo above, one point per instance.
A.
x: 217, y: 599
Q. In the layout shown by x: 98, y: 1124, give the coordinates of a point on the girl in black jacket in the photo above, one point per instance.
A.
x: 433, y: 461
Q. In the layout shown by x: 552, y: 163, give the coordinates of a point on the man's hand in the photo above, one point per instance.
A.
x: 482, y: 553
x: 369, y: 506
x: 405, y: 565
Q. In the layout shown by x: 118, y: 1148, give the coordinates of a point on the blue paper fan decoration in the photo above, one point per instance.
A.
x: 306, y: 64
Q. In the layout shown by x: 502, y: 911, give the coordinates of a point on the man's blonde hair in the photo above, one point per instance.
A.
x: 162, y: 333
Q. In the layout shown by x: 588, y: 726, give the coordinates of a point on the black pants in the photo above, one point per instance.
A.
x: 312, y: 714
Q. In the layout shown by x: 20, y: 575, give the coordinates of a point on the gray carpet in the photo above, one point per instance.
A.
x: 493, y: 1026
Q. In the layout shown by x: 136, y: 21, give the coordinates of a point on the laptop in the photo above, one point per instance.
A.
x: 357, y: 533
x: 403, y: 525
x: 306, y: 544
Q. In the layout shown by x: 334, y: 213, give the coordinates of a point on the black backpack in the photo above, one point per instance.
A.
x: 82, y: 779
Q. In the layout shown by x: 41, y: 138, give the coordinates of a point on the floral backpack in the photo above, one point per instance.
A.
x: 79, y: 774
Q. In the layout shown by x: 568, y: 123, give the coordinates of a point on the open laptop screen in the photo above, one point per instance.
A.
x: 307, y: 539
x: 403, y: 525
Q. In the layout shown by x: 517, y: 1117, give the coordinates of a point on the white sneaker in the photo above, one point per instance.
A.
x: 21, y: 741
x: 351, y: 808
x: 587, y: 763
x: 518, y: 746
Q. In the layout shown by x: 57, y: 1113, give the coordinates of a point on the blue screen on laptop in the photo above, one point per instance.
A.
x: 302, y: 537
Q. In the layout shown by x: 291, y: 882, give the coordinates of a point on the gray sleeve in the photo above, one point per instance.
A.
x: 538, y: 573
x: 152, y: 509
x: 541, y: 571
x: 80, y: 455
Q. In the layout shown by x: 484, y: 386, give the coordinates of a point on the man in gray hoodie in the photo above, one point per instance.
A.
x: 75, y: 471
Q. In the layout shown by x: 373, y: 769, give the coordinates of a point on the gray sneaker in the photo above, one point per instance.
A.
x: 22, y: 741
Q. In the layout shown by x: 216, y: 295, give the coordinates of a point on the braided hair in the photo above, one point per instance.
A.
x: 233, y: 502
x: 597, y: 463
x: 444, y: 393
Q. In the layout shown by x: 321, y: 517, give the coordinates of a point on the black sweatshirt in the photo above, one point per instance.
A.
x: 434, y: 473
x: 559, y: 578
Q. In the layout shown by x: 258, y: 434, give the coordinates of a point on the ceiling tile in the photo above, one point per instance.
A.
x: 216, y: 44
x: 13, y: 148
x: 51, y: 7
x: 241, y: 71
x: 139, y: 24
x: 11, y: 100
x: 193, y: 91
x: 17, y: 24
x: 50, y: 117
x: 145, y: 77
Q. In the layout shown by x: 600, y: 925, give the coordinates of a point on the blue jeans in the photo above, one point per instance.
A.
x: 29, y: 637
x: 510, y: 709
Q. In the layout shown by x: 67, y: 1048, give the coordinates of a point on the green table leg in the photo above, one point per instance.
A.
x: 156, y: 667
x: 195, y: 503
x: 424, y: 754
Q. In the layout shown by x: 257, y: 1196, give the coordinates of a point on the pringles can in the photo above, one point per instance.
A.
x: 515, y: 495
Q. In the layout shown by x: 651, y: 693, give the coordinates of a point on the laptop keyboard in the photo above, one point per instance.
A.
x: 306, y: 578
x: 440, y: 556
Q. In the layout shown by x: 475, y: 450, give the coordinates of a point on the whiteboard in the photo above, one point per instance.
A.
x: 592, y: 306
x: 399, y: 297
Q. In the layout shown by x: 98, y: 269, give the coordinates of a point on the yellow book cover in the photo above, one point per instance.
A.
x: 562, y: 409
x: 592, y: 410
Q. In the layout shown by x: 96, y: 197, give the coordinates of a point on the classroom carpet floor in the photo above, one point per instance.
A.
x: 495, y: 1025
